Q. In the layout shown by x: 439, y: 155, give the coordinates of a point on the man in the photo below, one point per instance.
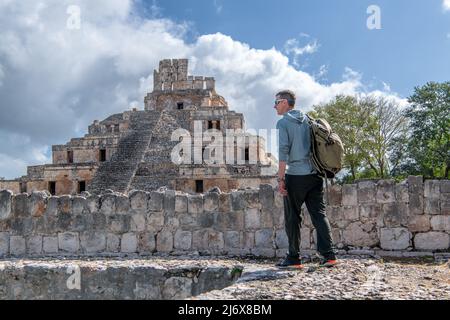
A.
x: 300, y: 183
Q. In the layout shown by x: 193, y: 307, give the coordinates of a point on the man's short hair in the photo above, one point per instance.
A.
x: 288, y: 95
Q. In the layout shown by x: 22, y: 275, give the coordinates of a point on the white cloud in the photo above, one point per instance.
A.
x: 446, y: 5
x: 218, y: 5
x: 293, y: 48
x: 56, y: 81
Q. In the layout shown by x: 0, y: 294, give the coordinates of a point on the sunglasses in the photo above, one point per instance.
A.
x: 278, y: 101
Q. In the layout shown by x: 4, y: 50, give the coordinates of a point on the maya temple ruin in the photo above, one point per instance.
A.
x: 132, y: 150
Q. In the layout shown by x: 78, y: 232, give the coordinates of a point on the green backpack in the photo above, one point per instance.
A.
x: 327, y: 149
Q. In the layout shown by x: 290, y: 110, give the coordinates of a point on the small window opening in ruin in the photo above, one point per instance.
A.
x: 69, y: 156
x: 180, y: 105
x: 214, y: 124
x: 81, y: 186
x: 199, y: 186
x: 52, y: 187
x: 23, y: 187
x: 210, y: 125
x: 247, y: 155
x: 102, y: 157
x: 116, y: 128
x: 218, y: 125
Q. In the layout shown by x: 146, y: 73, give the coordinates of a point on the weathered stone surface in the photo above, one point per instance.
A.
x: 305, y: 238
x: 349, y: 195
x: 266, y: 196
x: 401, y: 192
x: 215, y: 240
x: 440, y: 223
x: 164, y: 241
x: 119, y: 223
x: 156, y: 201
x: 93, y: 203
x: 200, y: 239
x: 335, y: 195
x: 147, y: 242
x: 432, y: 189
x: 34, y: 245
x: 225, y: 202
x: 237, y: 200
x: 177, y: 288
x: 385, y: 191
x: 359, y: 235
x: 264, y: 238
x: 211, y: 202
x: 17, y: 245
x: 367, y: 191
x: 233, y: 220
x: 138, y: 200
x: 445, y: 205
x: 4, y: 243
x: 93, y: 242
x: 351, y: 213
x: 252, y: 218
x: 122, y: 205
x: 69, y: 242
x: 419, y: 223
x: 169, y: 201
x: 249, y: 240
x: 281, y: 239
x: 50, y: 245
x: 181, y: 203
x: 445, y: 186
x: 183, y: 240
x: 52, y: 206
x: 128, y: 243
x: 415, y: 188
x: 112, y: 243
x: 108, y: 204
x: 432, y: 206
x: 5, y: 204
x: 395, y: 238
x: 370, y: 211
x: 21, y: 206
x: 432, y: 241
x: 79, y: 205
x: 195, y: 204
x: 38, y: 204
x: 155, y: 221
x: 395, y: 214
x: 138, y: 222
x: 232, y: 239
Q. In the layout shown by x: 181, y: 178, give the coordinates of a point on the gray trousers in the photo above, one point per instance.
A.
x: 307, y: 189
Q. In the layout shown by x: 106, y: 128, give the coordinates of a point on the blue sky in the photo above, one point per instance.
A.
x: 412, y: 47
x: 56, y: 80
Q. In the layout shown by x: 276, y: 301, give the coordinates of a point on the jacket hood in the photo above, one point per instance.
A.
x: 295, y: 116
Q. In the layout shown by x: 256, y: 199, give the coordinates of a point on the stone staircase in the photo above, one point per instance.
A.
x: 117, y: 173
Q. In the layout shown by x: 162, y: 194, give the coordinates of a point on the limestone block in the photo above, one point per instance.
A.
x: 155, y: 221
x: 17, y: 245
x: 4, y: 243
x: 252, y: 218
x: 146, y: 242
x: 395, y: 214
x: 138, y: 222
x: 395, y: 238
x: 370, y: 211
x: 50, y: 244
x: 335, y: 215
x: 367, y: 191
x: 215, y: 240
x: 119, y: 223
x: 278, y: 200
x: 359, y: 235
x: 156, y: 201
x: 108, y: 204
x: 335, y: 195
x: 128, y: 243
x: 278, y: 218
x: 5, y: 204
x: 34, y: 245
x: 112, y: 243
x: 415, y: 190
x: 385, y: 191
x: 52, y: 206
x: 264, y: 238
x: 445, y: 187
x: 79, y: 205
x: 207, y: 219
x: 181, y: 203
x: 266, y: 218
x: 445, y: 205
x: 419, y: 223
x: 432, y: 241
x: 349, y: 195
x: 431, y: 206
x: 69, y: 242
x: 232, y: 239
x: 177, y: 288
x: 281, y: 239
x: 249, y: 240
x: 93, y: 242
x: 401, y: 192
x: 38, y: 204
x: 238, y: 200
x: 440, y: 223
x: 169, y: 201
x: 263, y: 252
x: 266, y: 196
x: 183, y: 240
x: 351, y: 213
x: 195, y: 204
x: 211, y: 202
x: 200, y: 239
x: 432, y: 189
x: 65, y: 205
x: 224, y: 202
x: 93, y: 203
x: 122, y: 204
x: 21, y: 205
x: 233, y: 220
x: 164, y: 241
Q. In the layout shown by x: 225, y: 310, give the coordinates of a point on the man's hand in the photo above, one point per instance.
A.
x: 282, y: 188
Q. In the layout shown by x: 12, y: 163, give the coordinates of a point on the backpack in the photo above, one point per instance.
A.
x: 327, y: 149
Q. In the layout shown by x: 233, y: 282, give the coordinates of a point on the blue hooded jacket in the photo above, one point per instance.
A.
x: 294, y: 143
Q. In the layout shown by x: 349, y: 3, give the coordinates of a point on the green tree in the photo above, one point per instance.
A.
x: 428, y: 150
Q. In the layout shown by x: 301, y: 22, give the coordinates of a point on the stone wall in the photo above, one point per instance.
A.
x: 412, y: 217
